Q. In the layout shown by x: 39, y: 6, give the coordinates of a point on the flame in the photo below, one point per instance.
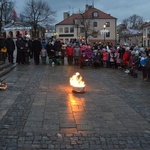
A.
x: 76, y: 80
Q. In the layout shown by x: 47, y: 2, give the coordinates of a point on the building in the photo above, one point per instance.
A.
x: 91, y: 26
x: 17, y: 28
x: 130, y: 37
x: 146, y: 34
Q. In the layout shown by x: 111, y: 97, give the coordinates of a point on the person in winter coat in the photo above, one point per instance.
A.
x: 2, y: 45
x: 82, y: 60
x: 10, y: 45
x: 131, y: 63
x: 57, y: 47
x: 36, y: 45
x: 83, y: 47
x: 43, y: 55
x: 113, y: 58
x: 143, y: 60
x: 20, y: 44
x: 126, y: 57
x: 30, y: 47
x: 50, y: 52
x: 118, y: 60
x: 121, y: 51
x: 43, y: 43
x: 76, y: 54
x: 27, y: 52
x: 69, y: 50
x: 135, y: 64
x: 105, y: 57
x: 96, y: 59
x: 148, y: 67
x: 88, y: 53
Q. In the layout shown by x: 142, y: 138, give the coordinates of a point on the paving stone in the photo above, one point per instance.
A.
x: 39, y: 110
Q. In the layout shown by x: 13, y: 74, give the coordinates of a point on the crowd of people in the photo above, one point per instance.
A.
x: 129, y: 59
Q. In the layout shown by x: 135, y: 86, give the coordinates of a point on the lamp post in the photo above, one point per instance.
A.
x: 104, y: 28
x: 104, y: 31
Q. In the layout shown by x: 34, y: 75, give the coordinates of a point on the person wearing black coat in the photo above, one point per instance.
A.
x: 36, y: 46
x: 50, y: 52
x: 2, y: 45
x: 10, y: 45
x: 20, y: 44
x: 148, y: 67
x: 57, y: 47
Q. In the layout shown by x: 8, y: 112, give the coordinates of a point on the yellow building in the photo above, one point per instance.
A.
x: 91, y: 26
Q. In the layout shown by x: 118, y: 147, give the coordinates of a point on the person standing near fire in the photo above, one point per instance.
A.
x: 36, y: 45
x: 3, y: 50
x: 20, y: 44
x: 10, y: 45
x: 69, y: 50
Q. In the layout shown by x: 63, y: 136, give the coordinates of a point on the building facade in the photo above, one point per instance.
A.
x: 146, y: 34
x: 91, y: 26
x: 15, y: 29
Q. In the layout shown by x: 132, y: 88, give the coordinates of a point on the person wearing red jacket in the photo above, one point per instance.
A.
x: 126, y: 57
x: 69, y: 50
x: 82, y: 60
x: 105, y: 58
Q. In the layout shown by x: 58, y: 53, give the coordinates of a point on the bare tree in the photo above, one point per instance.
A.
x: 38, y: 12
x: 6, y: 12
x: 133, y: 22
x: 85, y: 26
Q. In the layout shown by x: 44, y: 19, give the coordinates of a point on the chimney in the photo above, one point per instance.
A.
x: 66, y: 15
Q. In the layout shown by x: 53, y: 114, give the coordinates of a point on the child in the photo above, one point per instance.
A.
x: 143, y: 64
x: 96, y: 59
x: 82, y: 60
x: 43, y: 54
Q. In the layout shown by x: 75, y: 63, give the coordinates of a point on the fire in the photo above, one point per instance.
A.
x: 76, y: 80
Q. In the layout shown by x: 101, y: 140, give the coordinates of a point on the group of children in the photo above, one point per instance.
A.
x: 127, y: 59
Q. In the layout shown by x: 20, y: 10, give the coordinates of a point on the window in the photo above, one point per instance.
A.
x: 81, y: 30
x: 107, y: 34
x: 95, y: 14
x: 66, y: 30
x: 71, y: 29
x: 107, y: 24
x: 94, y: 24
x: 82, y: 23
x: 60, y: 30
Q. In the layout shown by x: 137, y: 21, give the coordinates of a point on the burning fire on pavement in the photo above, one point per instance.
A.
x: 77, y: 83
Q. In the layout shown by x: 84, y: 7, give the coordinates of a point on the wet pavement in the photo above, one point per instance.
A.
x: 40, y: 111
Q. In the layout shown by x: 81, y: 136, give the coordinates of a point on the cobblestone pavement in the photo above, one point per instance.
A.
x: 39, y: 110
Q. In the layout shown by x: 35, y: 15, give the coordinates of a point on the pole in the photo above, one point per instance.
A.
x: 104, y: 28
x: 104, y: 36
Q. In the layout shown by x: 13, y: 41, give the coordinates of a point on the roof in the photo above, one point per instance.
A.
x: 16, y: 25
x: 88, y: 15
x: 134, y: 31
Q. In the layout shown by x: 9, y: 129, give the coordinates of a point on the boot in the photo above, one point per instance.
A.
x: 135, y: 75
x: 131, y: 72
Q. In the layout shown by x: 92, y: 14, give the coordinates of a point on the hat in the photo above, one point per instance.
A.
x: 136, y: 53
x: 88, y: 47
x: 127, y: 48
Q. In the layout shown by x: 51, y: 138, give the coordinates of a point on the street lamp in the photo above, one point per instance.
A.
x: 104, y: 27
x: 104, y: 31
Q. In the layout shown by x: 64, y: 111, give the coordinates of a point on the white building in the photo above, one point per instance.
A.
x: 17, y: 28
x: 93, y: 25
x: 146, y: 34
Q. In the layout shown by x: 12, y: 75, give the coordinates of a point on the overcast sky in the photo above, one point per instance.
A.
x: 119, y: 9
